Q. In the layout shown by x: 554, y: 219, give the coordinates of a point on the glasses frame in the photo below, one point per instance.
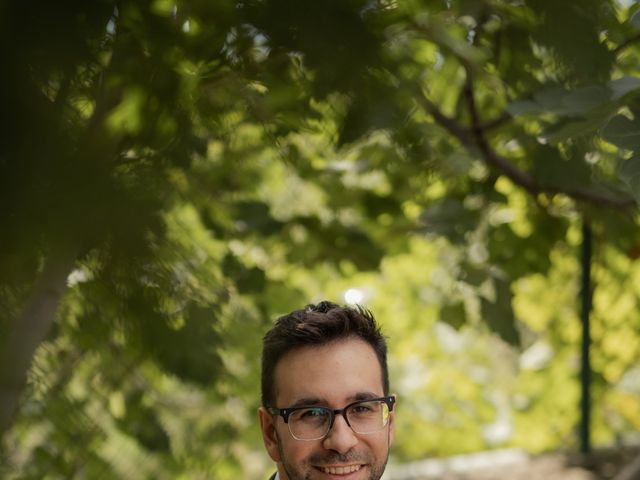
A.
x: 390, y: 400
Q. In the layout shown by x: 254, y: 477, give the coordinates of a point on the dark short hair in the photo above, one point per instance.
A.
x: 317, y: 325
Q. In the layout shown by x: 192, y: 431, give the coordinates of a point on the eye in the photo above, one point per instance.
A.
x: 312, y: 413
x: 366, y: 409
x: 363, y: 408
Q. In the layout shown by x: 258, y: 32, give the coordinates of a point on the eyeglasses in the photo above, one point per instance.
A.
x: 314, y: 423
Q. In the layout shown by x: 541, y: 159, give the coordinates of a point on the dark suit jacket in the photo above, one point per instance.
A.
x: 272, y: 477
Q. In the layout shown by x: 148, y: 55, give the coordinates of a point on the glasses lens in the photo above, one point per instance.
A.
x: 368, y: 417
x: 309, y: 423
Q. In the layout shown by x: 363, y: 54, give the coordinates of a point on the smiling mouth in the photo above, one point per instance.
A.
x: 341, y: 470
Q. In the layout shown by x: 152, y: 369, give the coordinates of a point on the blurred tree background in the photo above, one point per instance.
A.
x: 174, y: 174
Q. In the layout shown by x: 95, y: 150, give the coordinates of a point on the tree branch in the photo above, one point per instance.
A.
x: 520, y: 177
x: 496, y: 122
x: 474, y: 137
x: 628, y: 42
x: 459, y: 131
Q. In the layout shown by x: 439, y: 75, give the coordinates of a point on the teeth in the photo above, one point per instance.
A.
x: 341, y: 470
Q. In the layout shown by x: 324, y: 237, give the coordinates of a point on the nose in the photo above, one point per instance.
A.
x: 340, y: 438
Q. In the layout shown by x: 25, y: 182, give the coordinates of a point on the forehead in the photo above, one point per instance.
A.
x: 335, y: 373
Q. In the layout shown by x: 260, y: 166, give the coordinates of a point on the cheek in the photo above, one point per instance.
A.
x: 380, y: 445
x: 294, y: 450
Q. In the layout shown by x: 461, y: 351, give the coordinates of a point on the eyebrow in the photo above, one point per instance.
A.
x: 365, y: 396
x: 317, y: 401
x: 308, y: 401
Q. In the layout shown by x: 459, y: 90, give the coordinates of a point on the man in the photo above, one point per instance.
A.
x: 326, y: 410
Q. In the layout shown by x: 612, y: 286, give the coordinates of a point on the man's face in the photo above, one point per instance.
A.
x: 332, y: 376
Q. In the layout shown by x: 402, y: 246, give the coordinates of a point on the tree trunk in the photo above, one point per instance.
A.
x: 30, y: 329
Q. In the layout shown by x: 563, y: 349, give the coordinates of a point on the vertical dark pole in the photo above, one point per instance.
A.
x: 585, y: 372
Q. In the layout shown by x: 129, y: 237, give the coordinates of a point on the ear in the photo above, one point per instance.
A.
x: 392, y: 422
x: 269, y: 435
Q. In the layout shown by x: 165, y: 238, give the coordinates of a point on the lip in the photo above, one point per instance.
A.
x: 345, y: 471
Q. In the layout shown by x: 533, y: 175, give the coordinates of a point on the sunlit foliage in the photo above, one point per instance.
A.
x: 176, y: 174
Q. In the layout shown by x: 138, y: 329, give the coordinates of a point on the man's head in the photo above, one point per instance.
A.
x: 326, y: 357
x: 317, y: 325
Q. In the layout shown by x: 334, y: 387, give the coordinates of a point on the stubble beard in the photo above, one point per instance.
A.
x: 294, y: 473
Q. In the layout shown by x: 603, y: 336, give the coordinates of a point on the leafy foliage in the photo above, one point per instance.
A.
x: 173, y: 174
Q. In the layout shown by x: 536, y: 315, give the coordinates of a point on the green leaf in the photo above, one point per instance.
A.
x: 473, y: 275
x: 577, y: 50
x: 142, y: 422
x: 448, y: 217
x: 621, y: 86
x: 567, y: 130
x: 499, y: 313
x: 584, y: 99
x: 247, y: 279
x: 559, y: 101
x: 551, y: 99
x: 635, y: 20
x: 453, y: 315
x: 189, y: 351
x: 629, y: 173
x: 553, y: 169
x: 524, y: 107
x: 623, y: 132
x: 256, y: 216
